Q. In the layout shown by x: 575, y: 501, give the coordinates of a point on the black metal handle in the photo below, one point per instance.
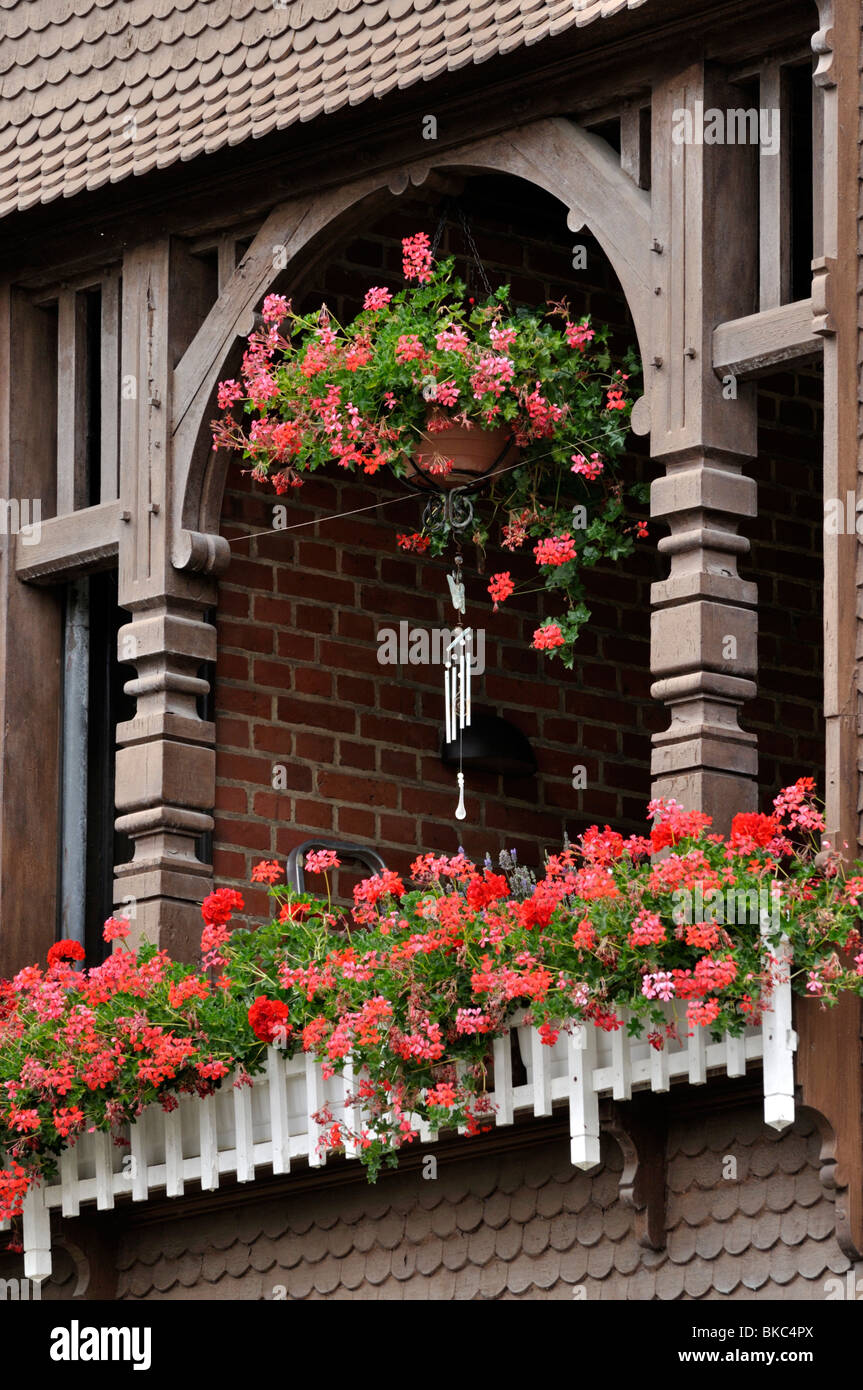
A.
x: 360, y: 854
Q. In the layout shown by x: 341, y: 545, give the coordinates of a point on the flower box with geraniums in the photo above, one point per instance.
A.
x: 431, y: 385
x: 417, y: 980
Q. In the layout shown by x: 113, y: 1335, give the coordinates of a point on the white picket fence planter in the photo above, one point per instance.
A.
x: 268, y: 1125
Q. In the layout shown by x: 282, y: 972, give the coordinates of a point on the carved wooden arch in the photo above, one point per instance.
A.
x: 578, y: 168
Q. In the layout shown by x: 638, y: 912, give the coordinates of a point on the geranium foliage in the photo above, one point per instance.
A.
x: 425, y: 360
x: 681, y: 928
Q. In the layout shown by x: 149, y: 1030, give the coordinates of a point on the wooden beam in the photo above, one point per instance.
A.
x: 109, y: 373
x: 71, y: 401
x: 227, y: 259
x: 70, y: 545
x: 760, y: 342
x: 774, y: 193
x: 635, y: 143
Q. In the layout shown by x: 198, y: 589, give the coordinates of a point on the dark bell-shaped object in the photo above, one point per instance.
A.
x: 491, y: 744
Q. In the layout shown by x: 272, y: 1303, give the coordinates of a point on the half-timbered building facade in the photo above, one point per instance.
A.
x: 165, y: 166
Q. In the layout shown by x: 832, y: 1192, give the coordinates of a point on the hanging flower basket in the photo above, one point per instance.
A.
x: 450, y: 456
x: 444, y: 392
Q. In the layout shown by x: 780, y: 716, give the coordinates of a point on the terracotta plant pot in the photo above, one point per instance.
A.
x: 473, y: 451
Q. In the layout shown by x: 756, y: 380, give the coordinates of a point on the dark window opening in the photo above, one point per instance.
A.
x: 109, y: 705
x: 800, y: 103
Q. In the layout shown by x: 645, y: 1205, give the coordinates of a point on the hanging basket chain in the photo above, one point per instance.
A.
x: 452, y: 208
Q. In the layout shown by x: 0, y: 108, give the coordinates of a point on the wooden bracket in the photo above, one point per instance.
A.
x: 822, y: 285
x: 640, y: 1128
x: 831, y: 1086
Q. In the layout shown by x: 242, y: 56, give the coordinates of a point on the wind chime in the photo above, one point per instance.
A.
x: 457, y: 661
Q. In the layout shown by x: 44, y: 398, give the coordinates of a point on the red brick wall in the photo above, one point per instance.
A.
x: 298, y: 680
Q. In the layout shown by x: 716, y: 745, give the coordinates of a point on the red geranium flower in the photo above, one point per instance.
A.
x: 65, y: 950
x: 268, y: 1017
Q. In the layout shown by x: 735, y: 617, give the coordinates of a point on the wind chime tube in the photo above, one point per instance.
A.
x: 447, y: 702
x: 453, y: 699
x: 469, y: 645
x: 461, y: 683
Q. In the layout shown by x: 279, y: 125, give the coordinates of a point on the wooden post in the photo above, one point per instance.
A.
x: 774, y: 201
x: 31, y: 641
x: 166, y: 759
x: 704, y: 628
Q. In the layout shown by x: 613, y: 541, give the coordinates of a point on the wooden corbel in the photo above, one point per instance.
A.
x: 640, y: 1128
x: 201, y: 554
x: 822, y: 286
x: 830, y: 1084
x: 822, y: 45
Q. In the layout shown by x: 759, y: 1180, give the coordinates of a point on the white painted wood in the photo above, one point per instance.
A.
x: 696, y: 1054
x: 503, y: 1080
x: 36, y: 1224
x: 541, y: 1074
x: 583, y: 1099
x: 243, y: 1133
x: 173, y: 1131
x: 735, y: 1056
x: 71, y: 1204
x: 139, y: 1151
x: 780, y: 1043
x: 278, y: 1098
x: 621, y: 1061
x: 102, y: 1147
x: 314, y: 1102
x: 660, y: 1074
x: 209, y: 1166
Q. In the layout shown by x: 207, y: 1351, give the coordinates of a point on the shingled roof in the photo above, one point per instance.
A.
x: 93, y: 91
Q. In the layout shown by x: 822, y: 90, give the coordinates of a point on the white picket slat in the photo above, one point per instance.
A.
x: 503, y: 1080
x: 209, y: 1143
x: 173, y: 1129
x: 139, y: 1149
x: 735, y: 1056
x: 696, y: 1053
x: 583, y: 1098
x: 621, y: 1061
x: 780, y: 1043
x: 660, y: 1073
x: 278, y: 1098
x: 314, y: 1102
x: 71, y: 1204
x: 539, y: 1054
x: 243, y: 1133
x: 36, y: 1230
x: 102, y: 1144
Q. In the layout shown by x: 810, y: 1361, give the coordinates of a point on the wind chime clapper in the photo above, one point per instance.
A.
x: 458, y: 658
